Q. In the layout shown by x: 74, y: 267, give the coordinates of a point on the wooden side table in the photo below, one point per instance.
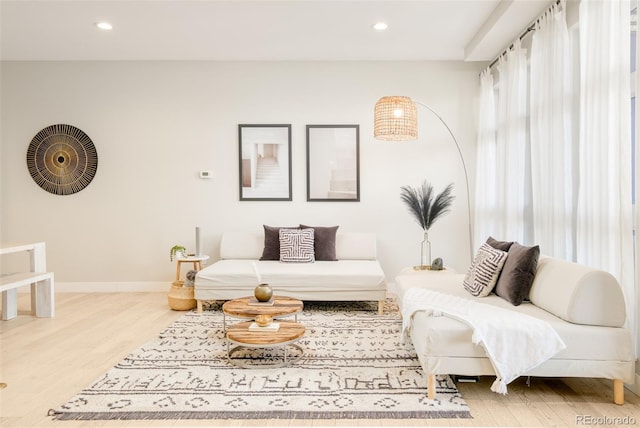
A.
x: 409, y: 277
x: 196, y: 260
x: 181, y: 298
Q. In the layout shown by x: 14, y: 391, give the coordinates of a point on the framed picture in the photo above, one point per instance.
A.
x: 333, y: 163
x: 265, y: 162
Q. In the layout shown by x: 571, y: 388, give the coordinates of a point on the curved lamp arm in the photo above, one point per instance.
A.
x: 466, y: 175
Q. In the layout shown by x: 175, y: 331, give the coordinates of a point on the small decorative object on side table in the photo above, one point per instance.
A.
x: 177, y: 251
x: 437, y: 264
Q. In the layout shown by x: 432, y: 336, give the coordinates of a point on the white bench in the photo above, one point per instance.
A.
x: 42, y: 283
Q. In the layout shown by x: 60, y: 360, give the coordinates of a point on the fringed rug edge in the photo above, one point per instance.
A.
x: 89, y: 416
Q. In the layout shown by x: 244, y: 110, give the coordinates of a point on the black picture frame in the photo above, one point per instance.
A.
x: 264, y: 154
x: 333, y: 163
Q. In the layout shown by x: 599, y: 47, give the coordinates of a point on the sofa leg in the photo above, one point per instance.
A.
x: 618, y: 391
x: 380, y: 307
x: 199, y: 306
x: 431, y: 387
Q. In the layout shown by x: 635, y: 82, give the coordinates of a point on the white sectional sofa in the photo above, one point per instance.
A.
x: 355, y: 276
x: 584, y: 306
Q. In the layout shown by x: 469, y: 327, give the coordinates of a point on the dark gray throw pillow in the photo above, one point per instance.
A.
x: 517, y: 273
x: 324, y: 242
x: 499, y: 245
x: 271, y: 249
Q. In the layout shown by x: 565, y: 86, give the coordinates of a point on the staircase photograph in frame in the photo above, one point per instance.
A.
x: 333, y: 163
x: 265, y: 162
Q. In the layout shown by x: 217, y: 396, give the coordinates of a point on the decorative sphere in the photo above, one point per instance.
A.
x: 263, y: 292
x: 437, y: 264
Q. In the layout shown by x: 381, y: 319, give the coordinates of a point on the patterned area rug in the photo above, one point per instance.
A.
x: 353, y: 367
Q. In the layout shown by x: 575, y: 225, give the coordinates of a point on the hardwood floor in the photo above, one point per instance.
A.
x: 44, y: 362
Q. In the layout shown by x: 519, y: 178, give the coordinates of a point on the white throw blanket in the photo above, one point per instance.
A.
x: 514, y: 342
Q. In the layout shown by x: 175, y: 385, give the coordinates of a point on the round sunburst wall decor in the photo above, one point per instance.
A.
x: 62, y: 159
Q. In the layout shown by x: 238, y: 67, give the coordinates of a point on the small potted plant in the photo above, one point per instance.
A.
x: 177, y: 251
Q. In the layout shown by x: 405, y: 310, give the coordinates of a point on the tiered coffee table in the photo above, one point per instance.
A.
x: 286, y: 336
x: 240, y: 308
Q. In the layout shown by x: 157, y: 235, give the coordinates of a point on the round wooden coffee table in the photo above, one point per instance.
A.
x: 286, y: 336
x: 240, y: 308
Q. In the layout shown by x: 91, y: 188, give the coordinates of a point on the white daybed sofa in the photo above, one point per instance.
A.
x: 584, y: 306
x: 355, y: 276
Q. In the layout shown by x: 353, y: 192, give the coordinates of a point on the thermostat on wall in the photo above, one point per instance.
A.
x: 205, y: 174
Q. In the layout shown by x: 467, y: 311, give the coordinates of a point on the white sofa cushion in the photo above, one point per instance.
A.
x: 577, y: 293
x: 322, y: 276
x: 229, y: 273
x: 241, y: 245
x: 356, y: 246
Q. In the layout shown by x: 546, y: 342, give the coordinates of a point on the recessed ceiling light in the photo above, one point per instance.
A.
x: 380, y: 26
x: 104, y: 25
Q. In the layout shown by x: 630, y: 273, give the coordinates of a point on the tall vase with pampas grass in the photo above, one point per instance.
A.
x: 426, y: 207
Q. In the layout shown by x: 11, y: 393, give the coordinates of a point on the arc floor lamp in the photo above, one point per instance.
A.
x: 396, y: 119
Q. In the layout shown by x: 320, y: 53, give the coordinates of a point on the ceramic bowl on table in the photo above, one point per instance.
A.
x: 264, y: 320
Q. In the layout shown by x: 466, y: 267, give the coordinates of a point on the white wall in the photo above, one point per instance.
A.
x: 156, y: 124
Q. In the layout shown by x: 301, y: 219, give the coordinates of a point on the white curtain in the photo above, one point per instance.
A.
x: 512, y: 168
x: 604, y: 220
x: 485, y: 219
x: 553, y: 151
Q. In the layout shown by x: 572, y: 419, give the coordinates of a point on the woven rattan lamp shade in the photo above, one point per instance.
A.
x: 395, y: 119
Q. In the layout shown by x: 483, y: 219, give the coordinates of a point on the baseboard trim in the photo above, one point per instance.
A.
x: 113, y: 287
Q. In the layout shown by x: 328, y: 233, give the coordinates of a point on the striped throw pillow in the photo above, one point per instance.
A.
x: 296, y: 245
x: 484, y: 271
